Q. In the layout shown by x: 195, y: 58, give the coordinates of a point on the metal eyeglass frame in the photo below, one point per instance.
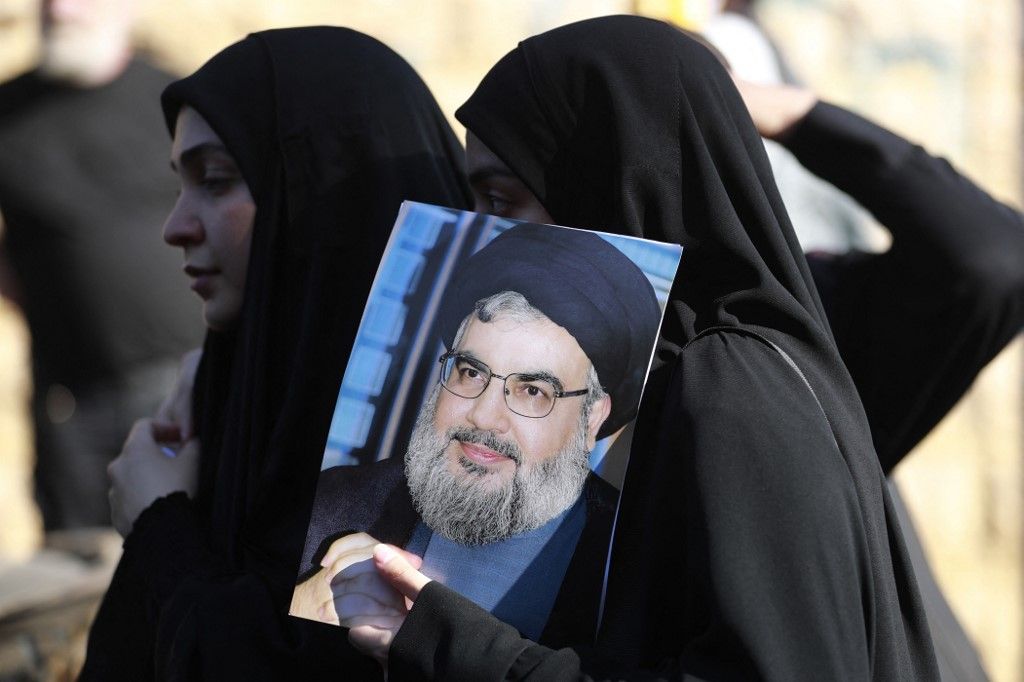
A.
x: 480, y: 366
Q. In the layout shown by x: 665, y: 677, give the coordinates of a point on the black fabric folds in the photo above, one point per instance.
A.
x: 755, y: 538
x: 935, y: 308
x: 331, y: 130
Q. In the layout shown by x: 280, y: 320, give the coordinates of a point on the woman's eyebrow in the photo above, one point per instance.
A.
x: 492, y: 171
x: 194, y: 154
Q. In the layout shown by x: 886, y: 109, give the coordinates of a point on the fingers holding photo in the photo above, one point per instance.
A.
x: 144, y: 472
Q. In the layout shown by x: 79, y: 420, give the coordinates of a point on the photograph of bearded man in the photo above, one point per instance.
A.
x: 548, y: 335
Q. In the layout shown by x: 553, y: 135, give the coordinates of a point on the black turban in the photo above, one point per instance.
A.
x: 580, y: 282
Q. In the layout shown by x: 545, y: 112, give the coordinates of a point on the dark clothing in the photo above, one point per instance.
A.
x: 331, y: 131
x: 233, y: 632
x: 84, y: 190
x: 930, y: 210
x: 747, y: 553
x: 375, y: 499
x: 916, y: 324
x: 754, y: 537
x: 957, y: 658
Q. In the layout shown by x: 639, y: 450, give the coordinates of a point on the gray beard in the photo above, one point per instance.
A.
x: 464, y: 508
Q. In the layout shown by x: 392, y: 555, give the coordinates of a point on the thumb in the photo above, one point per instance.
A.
x: 396, y: 569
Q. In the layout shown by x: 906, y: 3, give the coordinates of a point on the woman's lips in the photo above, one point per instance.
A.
x: 480, y: 454
x: 202, y: 280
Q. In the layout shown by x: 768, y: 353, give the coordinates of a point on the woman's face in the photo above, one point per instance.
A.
x: 212, y: 219
x: 496, y: 189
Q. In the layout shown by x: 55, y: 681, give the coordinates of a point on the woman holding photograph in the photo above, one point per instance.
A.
x: 755, y: 538
x: 295, y: 148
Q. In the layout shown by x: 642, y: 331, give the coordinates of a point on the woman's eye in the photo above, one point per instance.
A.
x: 216, y: 184
x: 498, y: 205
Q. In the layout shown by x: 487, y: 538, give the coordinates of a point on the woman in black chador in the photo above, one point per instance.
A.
x: 755, y: 537
x: 295, y: 146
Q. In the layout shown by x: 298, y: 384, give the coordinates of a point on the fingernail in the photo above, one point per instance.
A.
x: 384, y: 553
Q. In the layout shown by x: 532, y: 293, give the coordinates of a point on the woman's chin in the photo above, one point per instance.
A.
x: 220, y: 317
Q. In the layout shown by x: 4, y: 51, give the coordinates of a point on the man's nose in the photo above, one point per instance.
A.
x: 489, y: 411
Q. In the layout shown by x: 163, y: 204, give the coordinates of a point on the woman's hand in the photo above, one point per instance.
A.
x: 373, y: 636
x: 147, y: 470
x: 348, y: 587
x: 365, y: 586
x: 177, y: 406
x: 775, y: 109
x: 314, y: 598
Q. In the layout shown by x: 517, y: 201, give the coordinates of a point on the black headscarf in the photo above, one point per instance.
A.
x: 754, y: 535
x: 331, y: 130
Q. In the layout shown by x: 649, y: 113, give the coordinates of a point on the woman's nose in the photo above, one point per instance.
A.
x: 183, y: 226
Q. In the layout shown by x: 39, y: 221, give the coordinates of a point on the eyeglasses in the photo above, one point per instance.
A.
x: 528, y: 395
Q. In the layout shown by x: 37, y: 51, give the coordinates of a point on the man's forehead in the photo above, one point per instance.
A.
x: 508, y: 345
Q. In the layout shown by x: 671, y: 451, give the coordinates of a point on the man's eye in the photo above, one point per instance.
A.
x: 536, y: 391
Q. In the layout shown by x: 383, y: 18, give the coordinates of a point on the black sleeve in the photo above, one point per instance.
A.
x: 915, y: 325
x: 448, y: 637
x: 172, y: 612
x: 162, y: 548
x: 753, y: 565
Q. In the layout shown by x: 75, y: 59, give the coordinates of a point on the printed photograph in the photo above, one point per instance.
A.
x: 484, y: 417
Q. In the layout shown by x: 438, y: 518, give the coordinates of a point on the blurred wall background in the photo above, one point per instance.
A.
x: 947, y: 74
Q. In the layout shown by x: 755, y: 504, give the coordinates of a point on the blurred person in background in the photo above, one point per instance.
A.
x: 84, y: 189
x: 824, y: 218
